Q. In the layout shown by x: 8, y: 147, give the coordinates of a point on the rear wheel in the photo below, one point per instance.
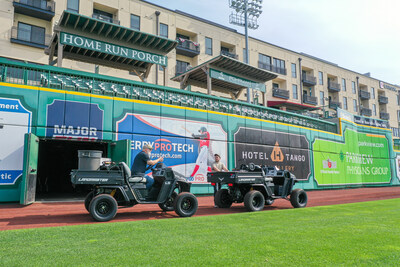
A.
x: 169, y: 204
x: 185, y: 204
x: 223, y: 199
x: 103, y: 208
x: 254, y: 201
x: 298, y: 198
x: 88, y: 198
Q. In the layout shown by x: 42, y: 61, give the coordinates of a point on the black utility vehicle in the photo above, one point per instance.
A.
x: 256, y: 186
x: 114, y: 186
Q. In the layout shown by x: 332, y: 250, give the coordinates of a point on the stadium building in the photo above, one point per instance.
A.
x: 78, y: 75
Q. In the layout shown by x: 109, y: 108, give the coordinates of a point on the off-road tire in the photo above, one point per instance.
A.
x: 185, y: 204
x: 223, y: 199
x: 88, y: 199
x: 298, y: 198
x: 254, y: 200
x: 103, y: 208
x: 169, y: 204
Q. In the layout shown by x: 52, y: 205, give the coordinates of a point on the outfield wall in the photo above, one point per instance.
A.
x: 357, y: 156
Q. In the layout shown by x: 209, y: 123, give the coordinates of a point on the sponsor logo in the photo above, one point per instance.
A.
x: 329, y: 164
x: 277, y: 155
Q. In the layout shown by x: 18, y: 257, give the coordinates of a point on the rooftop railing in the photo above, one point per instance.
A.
x: 72, y: 80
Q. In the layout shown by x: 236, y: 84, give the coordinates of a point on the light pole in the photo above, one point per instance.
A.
x: 245, y: 14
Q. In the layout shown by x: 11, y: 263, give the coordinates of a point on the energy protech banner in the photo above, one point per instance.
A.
x: 187, y: 146
x: 362, y: 159
x: 15, y: 122
x: 283, y: 150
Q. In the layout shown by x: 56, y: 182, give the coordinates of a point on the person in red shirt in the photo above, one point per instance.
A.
x: 202, y: 158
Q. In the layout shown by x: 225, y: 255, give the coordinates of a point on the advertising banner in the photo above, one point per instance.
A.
x: 15, y: 122
x: 283, y: 150
x: 74, y: 120
x: 219, y: 75
x: 187, y: 146
x: 362, y: 159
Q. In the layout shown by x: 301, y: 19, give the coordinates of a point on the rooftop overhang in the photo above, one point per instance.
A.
x: 291, y: 105
x: 225, y: 74
x: 92, y: 40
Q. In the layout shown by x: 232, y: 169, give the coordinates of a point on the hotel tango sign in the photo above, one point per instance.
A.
x: 112, y: 49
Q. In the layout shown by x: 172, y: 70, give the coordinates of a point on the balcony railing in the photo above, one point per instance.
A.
x: 273, y: 68
x: 335, y: 105
x: 309, y: 80
x: 366, y: 112
x: 365, y: 94
x: 384, y: 115
x: 281, y: 93
x: 105, y: 18
x: 41, y: 9
x: 333, y: 87
x: 23, y: 36
x: 383, y: 100
x: 187, y: 48
x: 310, y: 100
x: 229, y: 54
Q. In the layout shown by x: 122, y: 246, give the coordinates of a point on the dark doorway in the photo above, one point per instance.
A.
x: 56, y: 160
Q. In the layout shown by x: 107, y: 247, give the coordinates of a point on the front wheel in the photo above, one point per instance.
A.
x: 298, y: 198
x: 169, y: 204
x: 103, y: 207
x: 254, y: 201
x: 223, y: 199
x: 185, y: 204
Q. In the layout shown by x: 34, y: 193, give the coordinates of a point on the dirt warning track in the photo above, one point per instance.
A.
x: 14, y: 216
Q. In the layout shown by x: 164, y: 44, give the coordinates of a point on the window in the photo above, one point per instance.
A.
x: 163, y: 30
x: 355, y: 105
x: 294, y: 90
x: 105, y: 16
x: 353, y: 87
x: 321, y: 77
x: 264, y: 62
x: 321, y: 98
x: 275, y: 86
x: 135, y: 22
x: 344, y: 85
x: 209, y: 46
x: 31, y: 34
x: 181, y: 67
x: 373, y: 109
x: 345, y: 103
x: 294, y: 74
x: 73, y: 5
x: 279, y: 65
x: 245, y: 56
x: 372, y: 92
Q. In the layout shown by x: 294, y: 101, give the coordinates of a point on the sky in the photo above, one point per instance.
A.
x: 359, y: 35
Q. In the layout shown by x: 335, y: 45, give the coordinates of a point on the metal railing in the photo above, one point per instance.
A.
x: 309, y: 79
x: 332, y: 86
x: 365, y: 94
x: 277, y: 92
x: 72, y: 80
x: 187, y: 44
x: 310, y: 99
x: 335, y: 105
x: 273, y: 68
x: 229, y: 54
x: 105, y: 18
x: 26, y: 36
x: 383, y: 99
x: 384, y: 115
x: 40, y: 4
x: 366, y: 112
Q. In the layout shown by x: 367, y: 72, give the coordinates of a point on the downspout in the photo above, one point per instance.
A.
x: 301, y: 84
x: 359, y: 95
x: 157, y: 33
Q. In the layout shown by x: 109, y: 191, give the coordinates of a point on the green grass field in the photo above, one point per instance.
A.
x: 360, y: 234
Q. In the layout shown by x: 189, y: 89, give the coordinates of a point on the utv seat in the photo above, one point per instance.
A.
x: 134, y: 178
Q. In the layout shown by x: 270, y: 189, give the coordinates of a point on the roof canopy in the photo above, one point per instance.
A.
x: 225, y: 74
x: 92, y: 40
x: 291, y: 105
